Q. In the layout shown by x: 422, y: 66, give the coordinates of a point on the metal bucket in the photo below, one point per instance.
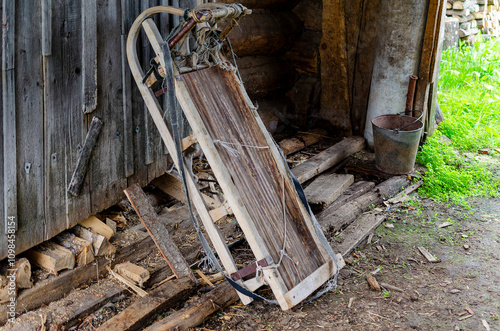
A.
x: 395, y: 139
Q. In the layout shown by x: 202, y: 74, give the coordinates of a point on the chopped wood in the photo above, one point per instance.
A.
x: 328, y: 158
x: 372, y: 281
x: 51, y: 257
x: 172, y: 186
x: 223, y: 295
x: 146, y: 309
x: 351, y: 300
x: 205, y: 278
x: 57, y: 287
x: 400, y: 197
x: 97, y: 226
x: 220, y: 212
x: 486, y: 325
x: 158, y: 232
x: 428, y: 255
x: 354, y: 191
x: 100, y: 244
x: 484, y: 151
x: 370, y: 237
x: 133, y: 272
x: 326, y: 188
x: 334, y: 220
x: 111, y: 224
x: 355, y: 233
x: 293, y: 145
x: 127, y: 282
x: 81, y: 248
x: 22, y: 272
x: 7, y: 289
x: 391, y: 287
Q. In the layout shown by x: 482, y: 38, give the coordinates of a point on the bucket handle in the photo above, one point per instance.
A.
x: 404, y: 127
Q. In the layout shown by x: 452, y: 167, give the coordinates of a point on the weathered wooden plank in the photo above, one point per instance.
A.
x: 65, y: 127
x: 106, y: 180
x: 365, y: 57
x: 57, y: 287
x: 159, y: 232
x: 353, y: 19
x: 46, y: 27
x: 355, y: 190
x: 355, y: 233
x: 29, y: 121
x: 334, y: 220
x: 326, y: 188
x: 9, y: 114
x: 146, y: 309
x: 295, y: 144
x: 89, y: 56
x: 80, y: 171
x: 223, y: 295
x: 335, y: 92
x: 3, y: 243
x: 328, y: 158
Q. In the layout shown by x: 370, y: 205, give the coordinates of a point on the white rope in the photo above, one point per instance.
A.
x: 233, y: 151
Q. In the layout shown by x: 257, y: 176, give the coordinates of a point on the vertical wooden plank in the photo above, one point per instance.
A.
x: 9, y: 111
x: 365, y: 57
x: 65, y: 124
x: 29, y: 118
x: 334, y: 81
x: 3, y: 243
x: 353, y: 16
x: 46, y: 27
x: 128, y: 129
x: 149, y: 128
x: 107, y: 169
x: 89, y: 56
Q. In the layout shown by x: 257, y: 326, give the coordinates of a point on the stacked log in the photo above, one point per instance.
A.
x: 466, y: 12
x: 490, y: 22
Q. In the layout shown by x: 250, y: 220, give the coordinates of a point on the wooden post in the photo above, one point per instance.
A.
x: 159, y: 233
x: 335, y: 105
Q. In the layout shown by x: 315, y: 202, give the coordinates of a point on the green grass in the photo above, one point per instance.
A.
x: 469, y: 96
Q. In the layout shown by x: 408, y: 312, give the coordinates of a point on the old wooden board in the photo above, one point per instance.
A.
x: 356, y: 232
x: 158, y: 232
x: 326, y: 188
x: 146, y: 309
x: 251, y: 173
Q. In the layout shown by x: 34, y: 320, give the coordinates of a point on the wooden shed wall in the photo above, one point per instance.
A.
x: 61, y: 58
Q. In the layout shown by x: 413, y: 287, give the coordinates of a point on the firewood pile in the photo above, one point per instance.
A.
x: 472, y: 17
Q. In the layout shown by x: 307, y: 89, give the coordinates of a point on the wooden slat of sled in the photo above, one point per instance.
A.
x: 218, y: 110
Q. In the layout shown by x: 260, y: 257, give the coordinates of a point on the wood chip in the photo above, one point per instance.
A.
x: 127, y: 282
x: 428, y: 255
x: 205, y: 278
x: 466, y: 247
x: 465, y: 317
x: 445, y: 224
x: 455, y: 291
x: 351, y: 300
x: 373, y: 282
x: 369, y: 240
x: 469, y: 310
x: 486, y: 325
x: 391, y: 287
x: 389, y: 226
x: 484, y: 151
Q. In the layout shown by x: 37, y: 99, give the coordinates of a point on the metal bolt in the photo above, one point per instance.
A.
x: 137, y: 129
x: 54, y: 157
x: 27, y: 167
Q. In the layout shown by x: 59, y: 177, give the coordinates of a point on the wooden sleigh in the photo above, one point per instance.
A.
x: 246, y: 163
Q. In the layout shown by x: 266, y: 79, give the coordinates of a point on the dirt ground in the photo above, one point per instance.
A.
x: 435, y: 295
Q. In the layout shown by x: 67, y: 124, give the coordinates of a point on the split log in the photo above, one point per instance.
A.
x: 293, y: 145
x: 145, y: 310
x: 356, y: 233
x: 372, y: 281
x: 326, y: 188
x: 100, y: 244
x: 22, y: 271
x: 265, y: 34
x: 158, y: 232
x: 223, y: 295
x: 133, y: 272
x: 328, y: 158
x: 52, y: 257
x: 337, y: 219
x: 57, y: 287
x: 97, y: 226
x: 266, y: 75
x: 355, y: 190
x: 81, y: 248
x: 268, y: 4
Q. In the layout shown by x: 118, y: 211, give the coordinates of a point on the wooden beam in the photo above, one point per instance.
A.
x: 334, y: 220
x: 295, y: 144
x: 146, y: 309
x: 355, y: 233
x: 326, y: 188
x: 355, y: 190
x: 223, y: 295
x: 158, y: 232
x: 335, y: 105
x: 328, y: 158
